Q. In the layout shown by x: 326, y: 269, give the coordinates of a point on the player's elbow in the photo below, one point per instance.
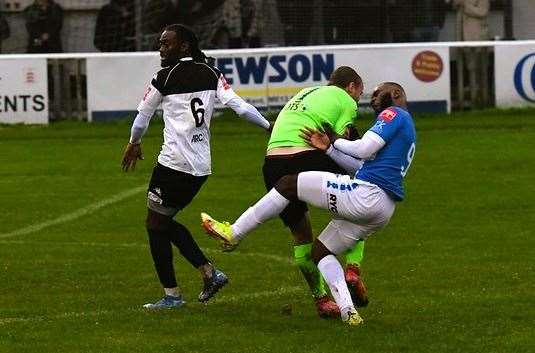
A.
x: 241, y: 109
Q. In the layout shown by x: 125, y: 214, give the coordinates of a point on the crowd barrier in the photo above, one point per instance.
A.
x: 438, y: 77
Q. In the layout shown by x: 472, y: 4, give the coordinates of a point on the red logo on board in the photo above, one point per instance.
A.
x: 427, y: 66
x: 30, y: 76
x: 388, y: 115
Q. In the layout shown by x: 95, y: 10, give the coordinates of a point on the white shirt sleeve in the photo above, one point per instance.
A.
x: 224, y: 92
x: 150, y: 102
x: 365, y: 148
x: 139, y: 127
x: 146, y: 108
x: 247, y: 111
x: 350, y: 164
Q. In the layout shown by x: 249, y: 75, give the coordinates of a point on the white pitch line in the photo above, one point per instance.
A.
x: 281, y: 259
x: 219, y: 300
x: 74, y: 215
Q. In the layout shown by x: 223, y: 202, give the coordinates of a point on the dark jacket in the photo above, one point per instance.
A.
x: 429, y: 13
x: 40, y: 22
x: 4, y: 28
x: 115, y: 29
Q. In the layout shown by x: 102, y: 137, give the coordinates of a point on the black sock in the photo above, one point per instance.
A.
x: 181, y: 237
x: 162, y: 255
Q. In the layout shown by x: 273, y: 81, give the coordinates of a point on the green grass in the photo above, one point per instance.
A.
x: 453, y: 272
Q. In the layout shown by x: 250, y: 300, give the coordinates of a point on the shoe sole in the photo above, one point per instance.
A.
x: 356, y: 322
x: 325, y: 315
x: 149, y: 306
x: 206, y: 225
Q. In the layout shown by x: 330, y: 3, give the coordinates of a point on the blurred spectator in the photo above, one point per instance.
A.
x: 115, y: 29
x: 350, y: 22
x: 4, y: 30
x: 295, y: 15
x: 250, y: 23
x: 156, y: 15
x: 429, y: 19
x: 218, y: 24
x: 472, y: 19
x: 259, y: 17
x: 44, y: 19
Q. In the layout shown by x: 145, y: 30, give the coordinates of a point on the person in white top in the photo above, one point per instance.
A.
x: 186, y: 88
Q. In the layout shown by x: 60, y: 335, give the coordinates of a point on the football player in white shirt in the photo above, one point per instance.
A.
x: 186, y: 88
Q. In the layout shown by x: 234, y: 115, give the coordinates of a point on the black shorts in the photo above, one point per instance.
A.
x: 278, y: 166
x: 173, y: 189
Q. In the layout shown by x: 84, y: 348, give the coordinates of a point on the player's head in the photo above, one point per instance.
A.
x: 178, y: 41
x: 386, y: 95
x: 347, y: 79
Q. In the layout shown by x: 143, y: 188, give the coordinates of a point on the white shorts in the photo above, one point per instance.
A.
x: 359, y: 208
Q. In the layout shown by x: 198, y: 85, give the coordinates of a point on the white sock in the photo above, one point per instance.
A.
x: 174, y: 292
x: 266, y: 208
x: 333, y: 273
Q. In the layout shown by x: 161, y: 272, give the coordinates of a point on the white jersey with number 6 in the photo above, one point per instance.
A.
x: 187, y: 93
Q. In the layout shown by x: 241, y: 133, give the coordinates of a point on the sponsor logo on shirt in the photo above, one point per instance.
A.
x: 342, y: 187
x: 379, y: 125
x: 332, y: 203
x: 388, y: 115
x: 225, y: 83
x: 197, y: 138
x: 147, y: 93
x: 155, y: 197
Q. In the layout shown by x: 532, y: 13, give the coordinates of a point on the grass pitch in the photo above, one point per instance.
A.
x: 453, y: 272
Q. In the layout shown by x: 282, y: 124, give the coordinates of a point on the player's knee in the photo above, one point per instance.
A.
x: 157, y: 221
x: 319, y: 251
x: 287, y: 187
x: 301, y: 230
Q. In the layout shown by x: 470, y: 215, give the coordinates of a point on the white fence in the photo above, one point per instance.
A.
x: 266, y: 77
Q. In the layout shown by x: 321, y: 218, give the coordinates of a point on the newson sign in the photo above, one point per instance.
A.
x: 23, y: 91
x: 269, y: 77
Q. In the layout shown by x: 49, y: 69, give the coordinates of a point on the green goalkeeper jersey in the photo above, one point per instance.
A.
x: 312, y: 107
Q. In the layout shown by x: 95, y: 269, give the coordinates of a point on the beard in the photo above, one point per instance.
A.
x: 168, y: 62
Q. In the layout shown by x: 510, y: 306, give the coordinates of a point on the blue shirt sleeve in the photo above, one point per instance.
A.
x: 387, y: 124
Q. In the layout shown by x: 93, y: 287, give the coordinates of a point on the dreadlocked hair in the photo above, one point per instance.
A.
x: 185, y: 34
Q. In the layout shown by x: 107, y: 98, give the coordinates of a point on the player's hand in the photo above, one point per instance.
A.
x: 315, y: 138
x: 132, y: 153
x: 333, y: 136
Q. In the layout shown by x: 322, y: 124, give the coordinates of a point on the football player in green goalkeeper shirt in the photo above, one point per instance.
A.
x: 333, y: 106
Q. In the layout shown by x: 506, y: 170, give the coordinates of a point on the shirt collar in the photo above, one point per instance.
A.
x: 186, y: 58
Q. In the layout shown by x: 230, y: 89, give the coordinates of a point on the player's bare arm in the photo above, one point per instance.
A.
x: 320, y: 140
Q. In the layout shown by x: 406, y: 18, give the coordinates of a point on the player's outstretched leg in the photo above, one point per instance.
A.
x: 221, y: 231
x: 266, y: 208
x: 354, y: 281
